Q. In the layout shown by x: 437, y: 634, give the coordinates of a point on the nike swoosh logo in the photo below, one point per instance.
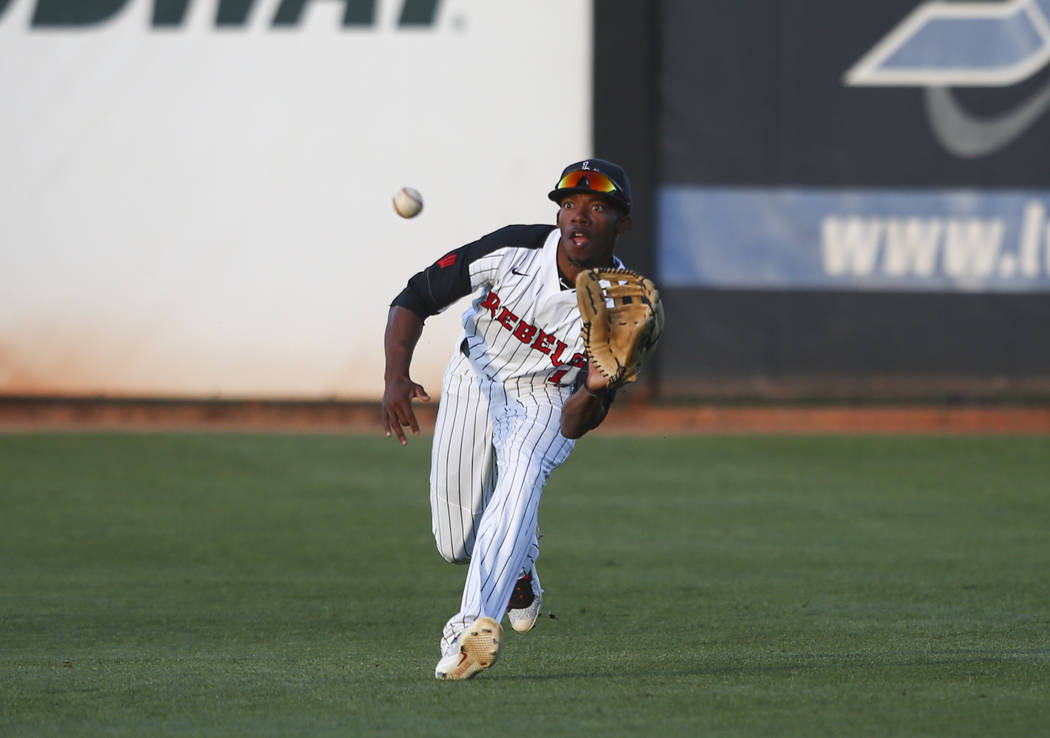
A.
x: 969, y: 136
x: 520, y: 274
x: 941, y: 45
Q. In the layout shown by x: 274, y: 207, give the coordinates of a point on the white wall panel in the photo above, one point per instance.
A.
x: 205, y: 211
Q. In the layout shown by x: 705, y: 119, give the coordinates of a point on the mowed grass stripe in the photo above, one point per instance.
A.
x: 238, y: 584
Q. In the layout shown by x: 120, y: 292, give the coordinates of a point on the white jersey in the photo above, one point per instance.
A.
x: 523, y: 329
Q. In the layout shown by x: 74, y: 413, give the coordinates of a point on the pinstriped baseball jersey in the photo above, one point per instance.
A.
x: 524, y: 327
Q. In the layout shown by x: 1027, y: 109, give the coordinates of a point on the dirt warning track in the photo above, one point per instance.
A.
x: 55, y: 413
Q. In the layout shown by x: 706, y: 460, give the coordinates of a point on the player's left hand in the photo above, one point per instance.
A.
x: 623, y: 319
x: 397, y: 407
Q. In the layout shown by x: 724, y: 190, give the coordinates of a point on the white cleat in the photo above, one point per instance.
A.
x: 524, y: 606
x: 474, y: 650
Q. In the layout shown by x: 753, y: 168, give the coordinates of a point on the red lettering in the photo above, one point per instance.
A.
x: 491, y: 302
x: 577, y: 360
x: 506, y: 319
x: 524, y: 332
x: 556, y: 377
x: 556, y: 356
x: 447, y: 260
x: 543, y: 342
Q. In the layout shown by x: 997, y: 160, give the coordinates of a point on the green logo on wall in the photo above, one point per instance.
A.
x: 71, y: 14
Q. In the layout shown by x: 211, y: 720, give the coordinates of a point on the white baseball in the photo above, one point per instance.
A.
x: 408, y: 202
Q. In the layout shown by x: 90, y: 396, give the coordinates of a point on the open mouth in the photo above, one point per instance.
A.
x: 579, y: 238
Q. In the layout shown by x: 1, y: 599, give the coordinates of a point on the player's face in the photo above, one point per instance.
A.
x: 589, y: 226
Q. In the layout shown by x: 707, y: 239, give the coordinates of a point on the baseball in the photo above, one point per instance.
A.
x: 408, y: 202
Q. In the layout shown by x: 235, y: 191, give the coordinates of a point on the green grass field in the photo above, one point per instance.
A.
x: 282, y: 585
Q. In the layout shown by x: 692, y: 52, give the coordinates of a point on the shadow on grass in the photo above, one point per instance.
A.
x: 813, y: 662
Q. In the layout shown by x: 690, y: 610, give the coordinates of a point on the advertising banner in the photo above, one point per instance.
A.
x: 858, y: 146
x: 896, y: 239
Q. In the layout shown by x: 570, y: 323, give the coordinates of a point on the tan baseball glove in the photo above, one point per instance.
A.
x: 623, y: 319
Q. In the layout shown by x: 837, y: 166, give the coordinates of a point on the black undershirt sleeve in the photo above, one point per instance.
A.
x: 448, y: 279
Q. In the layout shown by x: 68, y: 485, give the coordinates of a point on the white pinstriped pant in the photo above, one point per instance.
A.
x: 494, y: 448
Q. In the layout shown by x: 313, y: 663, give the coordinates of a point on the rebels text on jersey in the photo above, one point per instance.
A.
x: 525, y: 323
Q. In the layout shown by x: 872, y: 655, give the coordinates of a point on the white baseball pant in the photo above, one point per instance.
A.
x: 495, y: 445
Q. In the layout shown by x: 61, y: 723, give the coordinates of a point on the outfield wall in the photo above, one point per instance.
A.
x: 848, y: 199
x: 840, y: 199
x: 195, y: 194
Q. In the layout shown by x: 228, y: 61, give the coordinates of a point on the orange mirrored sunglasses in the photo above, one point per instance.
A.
x: 589, y: 180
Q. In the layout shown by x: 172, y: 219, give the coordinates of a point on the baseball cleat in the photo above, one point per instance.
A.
x: 475, y: 649
x: 524, y: 606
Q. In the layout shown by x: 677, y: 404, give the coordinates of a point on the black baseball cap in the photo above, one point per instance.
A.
x: 594, y: 175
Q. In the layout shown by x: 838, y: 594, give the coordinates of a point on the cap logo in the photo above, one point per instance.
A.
x: 586, y: 165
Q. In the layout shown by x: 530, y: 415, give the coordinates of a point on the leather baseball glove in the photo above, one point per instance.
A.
x: 623, y: 319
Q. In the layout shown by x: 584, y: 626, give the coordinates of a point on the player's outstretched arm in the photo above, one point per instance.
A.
x: 587, y: 407
x: 403, y: 329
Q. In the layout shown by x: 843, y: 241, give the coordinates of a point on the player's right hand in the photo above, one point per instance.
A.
x: 397, y: 407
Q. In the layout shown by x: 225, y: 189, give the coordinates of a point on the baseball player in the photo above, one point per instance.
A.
x: 516, y: 394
